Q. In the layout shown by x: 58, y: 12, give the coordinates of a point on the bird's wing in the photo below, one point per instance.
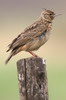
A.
x: 29, y: 34
x: 18, y: 42
x: 35, y: 29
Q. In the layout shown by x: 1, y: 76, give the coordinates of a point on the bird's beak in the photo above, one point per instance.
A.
x: 57, y: 15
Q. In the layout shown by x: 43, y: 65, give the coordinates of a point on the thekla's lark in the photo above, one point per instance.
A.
x: 34, y: 36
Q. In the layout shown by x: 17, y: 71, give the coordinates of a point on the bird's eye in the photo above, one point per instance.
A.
x: 50, y: 14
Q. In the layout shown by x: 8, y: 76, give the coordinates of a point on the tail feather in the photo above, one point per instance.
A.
x: 13, y: 52
x: 8, y: 59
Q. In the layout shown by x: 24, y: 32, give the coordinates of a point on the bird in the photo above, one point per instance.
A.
x: 33, y: 36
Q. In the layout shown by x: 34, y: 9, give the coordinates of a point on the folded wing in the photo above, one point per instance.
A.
x: 28, y: 35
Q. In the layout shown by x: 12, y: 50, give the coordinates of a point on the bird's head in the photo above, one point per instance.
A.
x: 48, y: 15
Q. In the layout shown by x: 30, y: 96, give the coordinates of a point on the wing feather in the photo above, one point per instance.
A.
x: 29, y: 34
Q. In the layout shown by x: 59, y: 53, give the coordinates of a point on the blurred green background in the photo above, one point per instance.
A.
x: 15, y: 15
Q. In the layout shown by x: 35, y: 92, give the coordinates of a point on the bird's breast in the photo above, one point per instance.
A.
x: 43, y: 38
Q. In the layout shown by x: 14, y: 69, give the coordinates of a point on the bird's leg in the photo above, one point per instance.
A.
x: 33, y: 54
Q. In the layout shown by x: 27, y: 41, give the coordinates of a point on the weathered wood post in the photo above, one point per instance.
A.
x: 32, y: 78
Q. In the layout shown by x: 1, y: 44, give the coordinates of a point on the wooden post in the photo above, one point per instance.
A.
x: 32, y: 79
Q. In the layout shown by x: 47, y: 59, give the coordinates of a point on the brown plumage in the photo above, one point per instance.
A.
x: 34, y: 36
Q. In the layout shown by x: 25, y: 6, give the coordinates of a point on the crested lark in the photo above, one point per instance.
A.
x: 34, y: 36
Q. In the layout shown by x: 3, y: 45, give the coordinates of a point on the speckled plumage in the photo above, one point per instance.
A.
x: 34, y: 36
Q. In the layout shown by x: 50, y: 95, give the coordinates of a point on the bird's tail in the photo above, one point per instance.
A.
x: 8, y: 59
